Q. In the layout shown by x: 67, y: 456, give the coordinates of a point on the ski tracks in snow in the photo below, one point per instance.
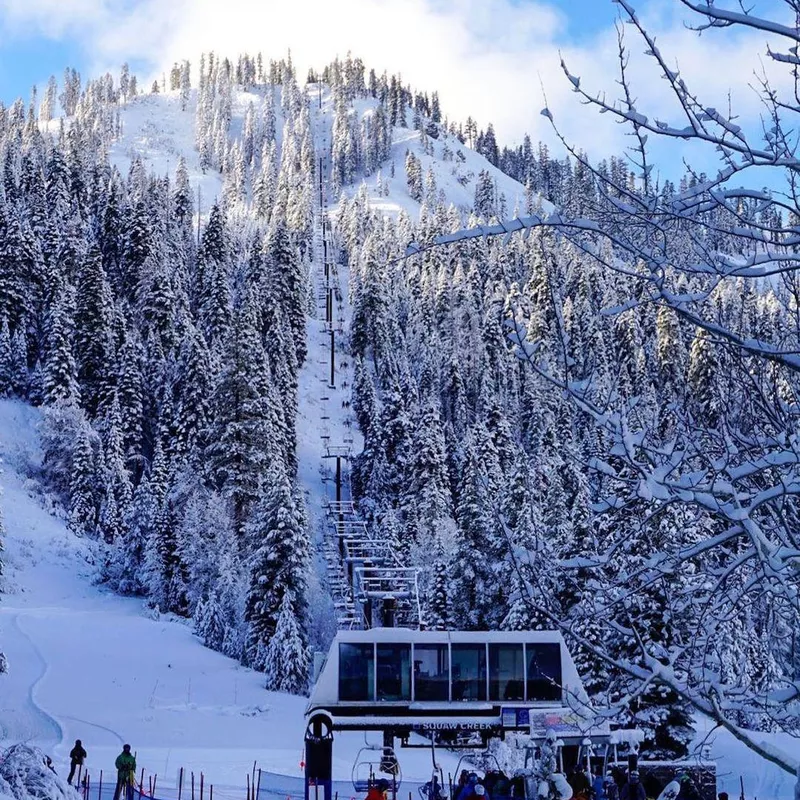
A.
x: 22, y: 719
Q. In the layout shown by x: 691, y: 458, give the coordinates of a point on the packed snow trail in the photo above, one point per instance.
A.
x: 87, y: 664
x: 21, y: 717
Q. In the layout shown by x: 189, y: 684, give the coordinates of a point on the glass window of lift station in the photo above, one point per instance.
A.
x: 394, y: 672
x: 431, y: 672
x: 356, y: 672
x: 506, y: 672
x: 468, y: 664
x: 544, y: 671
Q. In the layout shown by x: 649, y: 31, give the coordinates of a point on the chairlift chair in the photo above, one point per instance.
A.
x: 457, y: 773
x: 370, y: 767
x: 426, y: 791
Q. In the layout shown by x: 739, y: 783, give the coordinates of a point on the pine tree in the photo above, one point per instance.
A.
x: 286, y: 659
x: 93, y: 347
x: 439, y: 614
x: 60, y: 371
x: 82, y: 518
x: 19, y: 361
x: 117, y: 488
x: 288, y: 286
x: 209, y: 623
x: 6, y: 369
x: 484, y: 195
x: 214, y: 295
x: 280, y: 545
x: 248, y: 428
x: 700, y: 377
x: 414, y: 176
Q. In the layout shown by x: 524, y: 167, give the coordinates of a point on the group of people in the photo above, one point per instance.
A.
x: 125, y: 765
x: 622, y: 786
x: 494, y: 786
x: 605, y: 787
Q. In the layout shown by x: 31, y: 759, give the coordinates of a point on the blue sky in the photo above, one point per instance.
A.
x: 30, y: 60
x: 494, y: 60
x: 29, y: 53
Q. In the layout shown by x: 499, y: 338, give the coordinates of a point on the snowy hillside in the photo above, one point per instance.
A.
x: 191, y: 345
x: 88, y: 664
x: 155, y: 130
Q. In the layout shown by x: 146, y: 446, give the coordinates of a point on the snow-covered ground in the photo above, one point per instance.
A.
x: 88, y: 664
x: 91, y: 665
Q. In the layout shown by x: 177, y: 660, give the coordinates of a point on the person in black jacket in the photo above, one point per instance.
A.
x: 76, y: 759
x: 633, y: 789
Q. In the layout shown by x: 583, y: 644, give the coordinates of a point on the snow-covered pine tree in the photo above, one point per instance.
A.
x: 414, y: 176
x: 286, y: 662
x: 288, y: 285
x: 82, y: 518
x: 438, y: 616
x: 60, y: 371
x: 247, y: 431
x: 209, y: 623
x: 5, y: 360
x: 279, y: 542
x: 484, y: 195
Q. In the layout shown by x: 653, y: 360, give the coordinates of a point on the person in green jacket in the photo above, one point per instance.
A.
x: 126, y: 772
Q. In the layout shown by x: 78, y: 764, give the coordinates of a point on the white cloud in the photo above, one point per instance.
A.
x: 487, y: 58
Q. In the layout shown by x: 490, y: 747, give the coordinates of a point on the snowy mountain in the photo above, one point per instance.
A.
x: 170, y: 290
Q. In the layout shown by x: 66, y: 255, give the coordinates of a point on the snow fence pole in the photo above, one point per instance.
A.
x: 155, y: 779
x: 201, y: 786
x: 258, y: 785
x: 141, y: 783
x: 100, y: 787
x: 192, y: 784
x: 248, y: 786
x: 180, y: 783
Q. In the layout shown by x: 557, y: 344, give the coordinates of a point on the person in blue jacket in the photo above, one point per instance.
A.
x: 599, y: 785
x: 468, y: 790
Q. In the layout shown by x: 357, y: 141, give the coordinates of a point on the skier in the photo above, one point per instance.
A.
x: 76, y: 759
x: 633, y: 789
x: 463, y: 780
x: 612, y: 790
x: 688, y: 789
x: 378, y: 790
x: 432, y: 790
x: 468, y: 789
x: 579, y: 782
x: 502, y: 788
x: 126, y: 772
x: 599, y: 785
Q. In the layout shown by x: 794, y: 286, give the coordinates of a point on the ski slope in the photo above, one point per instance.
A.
x: 91, y: 665
x: 88, y: 664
